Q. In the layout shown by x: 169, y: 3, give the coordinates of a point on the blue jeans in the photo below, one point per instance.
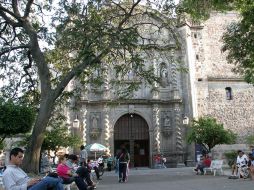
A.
x: 48, y: 182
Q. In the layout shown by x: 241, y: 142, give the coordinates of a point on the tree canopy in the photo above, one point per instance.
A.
x: 58, y: 135
x: 46, y: 44
x: 208, y: 133
x: 15, y: 119
x: 239, y: 38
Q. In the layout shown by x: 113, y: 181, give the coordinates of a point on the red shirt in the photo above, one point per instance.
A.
x: 207, y: 162
x: 62, y: 170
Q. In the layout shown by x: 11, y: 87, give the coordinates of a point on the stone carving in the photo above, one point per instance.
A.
x: 156, y: 112
x: 166, y: 127
x: 164, y: 75
x: 95, y: 128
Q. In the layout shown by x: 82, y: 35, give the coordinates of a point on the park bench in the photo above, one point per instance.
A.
x: 216, y: 165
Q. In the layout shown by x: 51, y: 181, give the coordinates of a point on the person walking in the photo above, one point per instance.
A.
x: 83, y: 155
x: 124, y: 159
x: 14, y: 178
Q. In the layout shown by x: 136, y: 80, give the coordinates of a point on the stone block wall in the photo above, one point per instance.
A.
x: 235, y: 114
x: 213, y: 74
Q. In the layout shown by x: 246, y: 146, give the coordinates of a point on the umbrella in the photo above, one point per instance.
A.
x: 96, y: 147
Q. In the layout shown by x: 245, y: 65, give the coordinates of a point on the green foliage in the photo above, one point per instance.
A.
x: 238, y: 43
x: 208, y: 133
x: 200, y: 9
x: 250, y: 140
x: 59, y: 136
x: 231, y: 157
x: 15, y: 118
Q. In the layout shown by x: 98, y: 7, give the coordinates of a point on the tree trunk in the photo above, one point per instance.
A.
x: 32, y: 153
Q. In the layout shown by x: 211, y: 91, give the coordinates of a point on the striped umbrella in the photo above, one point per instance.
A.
x: 95, y: 147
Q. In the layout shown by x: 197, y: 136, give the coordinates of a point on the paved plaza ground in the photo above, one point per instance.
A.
x: 172, y: 179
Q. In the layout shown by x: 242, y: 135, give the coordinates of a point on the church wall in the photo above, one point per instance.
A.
x: 213, y: 74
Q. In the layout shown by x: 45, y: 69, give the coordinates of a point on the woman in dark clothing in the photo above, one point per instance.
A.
x: 124, y: 159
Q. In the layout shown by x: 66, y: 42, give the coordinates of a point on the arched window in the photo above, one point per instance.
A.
x: 229, y: 93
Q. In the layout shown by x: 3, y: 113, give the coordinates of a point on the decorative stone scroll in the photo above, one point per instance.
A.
x: 156, y: 112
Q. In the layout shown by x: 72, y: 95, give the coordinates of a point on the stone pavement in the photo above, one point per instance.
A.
x: 172, y: 179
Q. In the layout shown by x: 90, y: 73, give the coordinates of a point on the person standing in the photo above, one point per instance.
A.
x: 14, y: 178
x: 83, y: 155
x: 124, y: 159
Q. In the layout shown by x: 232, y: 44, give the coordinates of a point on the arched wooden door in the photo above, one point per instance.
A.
x: 132, y: 132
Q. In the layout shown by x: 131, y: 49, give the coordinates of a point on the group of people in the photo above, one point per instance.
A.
x: 243, y: 165
x: 71, y: 168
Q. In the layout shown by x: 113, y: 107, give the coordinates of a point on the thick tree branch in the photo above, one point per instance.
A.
x: 28, y: 8
x: 78, y: 69
x: 13, y: 48
x: 15, y: 8
x: 10, y: 21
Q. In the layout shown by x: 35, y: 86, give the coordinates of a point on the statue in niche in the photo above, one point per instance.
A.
x: 167, y: 122
x: 167, y: 129
x: 95, y: 129
x: 95, y: 122
x: 164, y: 75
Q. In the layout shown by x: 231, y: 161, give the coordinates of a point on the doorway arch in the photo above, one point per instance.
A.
x: 132, y: 132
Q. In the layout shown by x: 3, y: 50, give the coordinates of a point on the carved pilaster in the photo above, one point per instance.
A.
x: 156, y: 124
x: 106, y: 94
x: 155, y: 92
x: 107, y: 127
x: 179, y: 133
x: 84, y: 116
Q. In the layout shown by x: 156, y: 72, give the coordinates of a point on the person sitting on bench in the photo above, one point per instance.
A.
x: 14, y: 178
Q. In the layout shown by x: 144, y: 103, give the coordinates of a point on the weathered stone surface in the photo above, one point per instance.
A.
x: 213, y: 74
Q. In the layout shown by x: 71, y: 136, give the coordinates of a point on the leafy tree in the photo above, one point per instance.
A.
x: 59, y: 136
x: 15, y: 119
x: 239, y: 37
x: 46, y: 44
x: 208, y: 133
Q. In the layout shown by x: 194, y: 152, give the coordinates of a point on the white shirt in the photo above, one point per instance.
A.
x: 240, y: 161
x: 83, y: 155
x: 14, y: 178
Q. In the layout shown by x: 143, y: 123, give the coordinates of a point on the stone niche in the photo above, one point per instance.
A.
x: 95, y: 125
x: 166, y: 124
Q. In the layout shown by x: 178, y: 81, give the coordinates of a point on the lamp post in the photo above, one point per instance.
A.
x: 75, y: 123
x: 185, y: 120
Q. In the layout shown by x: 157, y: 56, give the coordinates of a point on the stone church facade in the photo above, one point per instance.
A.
x: 156, y: 122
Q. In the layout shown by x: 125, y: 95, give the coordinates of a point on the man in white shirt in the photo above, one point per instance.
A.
x: 14, y: 178
x: 242, y: 159
x: 242, y: 164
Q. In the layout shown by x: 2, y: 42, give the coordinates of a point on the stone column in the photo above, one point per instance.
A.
x: 106, y: 93
x: 155, y: 93
x: 84, y: 122
x: 156, y: 124
x: 179, y: 134
x: 106, y: 126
